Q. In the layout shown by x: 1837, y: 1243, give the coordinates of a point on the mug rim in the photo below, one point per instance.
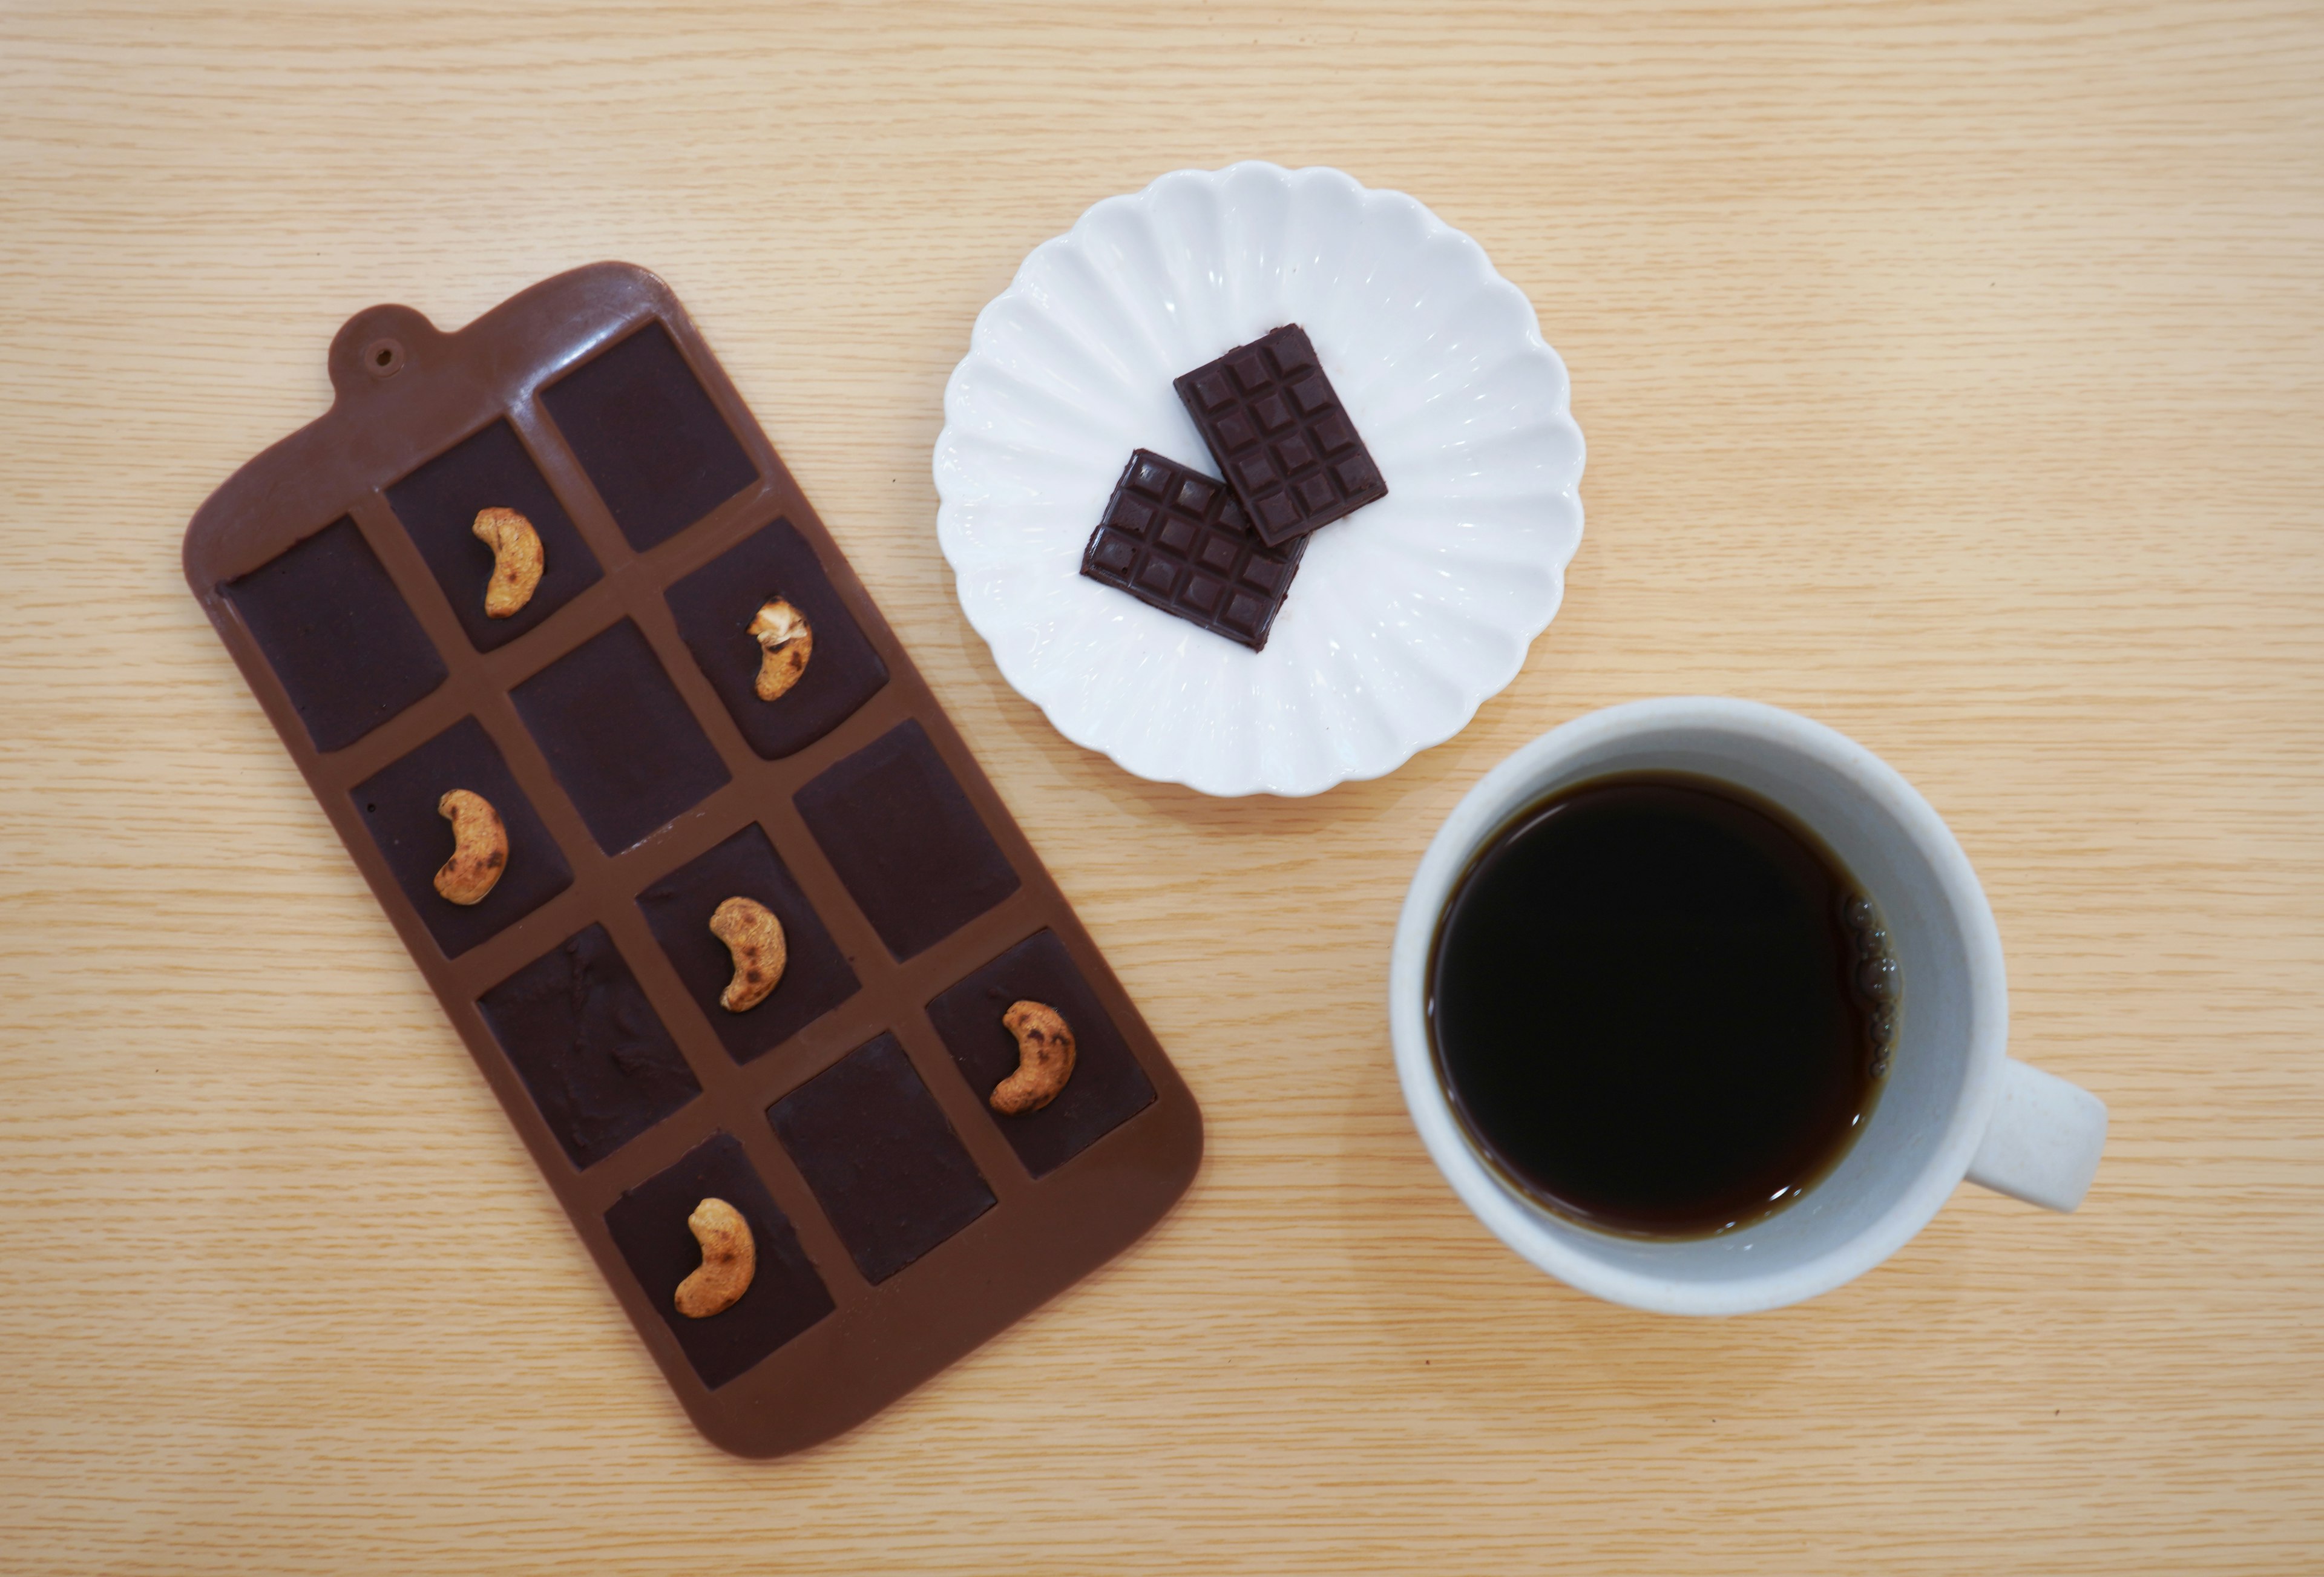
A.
x: 1525, y: 1226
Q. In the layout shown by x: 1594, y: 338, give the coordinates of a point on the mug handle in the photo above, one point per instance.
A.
x: 2043, y: 1143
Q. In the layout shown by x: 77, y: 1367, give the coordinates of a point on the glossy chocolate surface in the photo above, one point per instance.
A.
x: 636, y: 789
x: 1177, y: 540
x: 1280, y: 436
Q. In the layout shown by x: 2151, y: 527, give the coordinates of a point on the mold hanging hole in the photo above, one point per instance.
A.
x: 383, y: 358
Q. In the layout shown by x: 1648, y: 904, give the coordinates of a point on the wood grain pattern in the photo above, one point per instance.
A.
x: 1950, y: 372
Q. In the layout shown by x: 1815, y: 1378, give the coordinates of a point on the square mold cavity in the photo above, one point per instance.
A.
x: 327, y: 618
x: 648, y: 435
x: 913, y: 851
x: 816, y: 979
x: 1108, y: 1087
x: 398, y: 807
x: 439, y: 504
x: 885, y: 1165
x: 715, y: 606
x: 588, y: 1045
x: 620, y: 738
x: 785, y: 1296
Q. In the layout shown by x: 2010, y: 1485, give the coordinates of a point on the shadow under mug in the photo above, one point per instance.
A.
x: 1956, y: 1104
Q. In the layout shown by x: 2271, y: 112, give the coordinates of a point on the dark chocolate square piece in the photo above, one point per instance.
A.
x: 785, y: 1296
x: 641, y: 425
x: 439, y: 504
x: 913, y: 851
x: 816, y: 978
x: 715, y: 606
x: 1277, y: 393
x: 884, y: 1164
x: 588, y: 1045
x: 398, y: 805
x: 1108, y: 1087
x: 620, y: 738
x: 337, y: 633
x: 1203, y: 528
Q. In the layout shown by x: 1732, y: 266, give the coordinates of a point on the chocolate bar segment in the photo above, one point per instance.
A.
x: 1107, y: 1089
x: 785, y: 1297
x: 913, y: 851
x: 338, y: 635
x: 398, y: 805
x: 884, y: 1164
x: 588, y: 1045
x: 439, y: 504
x: 651, y: 440
x: 1177, y: 540
x: 619, y: 738
x: 715, y: 606
x: 816, y: 978
x: 1280, y: 436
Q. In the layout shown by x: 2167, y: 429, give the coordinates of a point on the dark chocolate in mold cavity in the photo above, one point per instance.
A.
x: 1108, y: 1087
x: 785, y: 1296
x: 816, y: 979
x: 1280, y: 436
x: 439, y: 504
x: 914, y: 853
x: 398, y: 807
x: 619, y: 737
x: 885, y: 1165
x: 588, y: 1045
x: 337, y: 634
x: 848, y: 1348
x: 715, y: 606
x: 1177, y: 540
x: 649, y: 436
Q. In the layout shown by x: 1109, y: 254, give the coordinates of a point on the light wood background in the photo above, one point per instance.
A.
x: 1950, y: 372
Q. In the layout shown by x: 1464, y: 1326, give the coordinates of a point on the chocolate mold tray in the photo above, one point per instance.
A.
x: 899, y: 1220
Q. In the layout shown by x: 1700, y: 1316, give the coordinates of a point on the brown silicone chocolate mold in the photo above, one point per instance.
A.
x: 899, y: 1220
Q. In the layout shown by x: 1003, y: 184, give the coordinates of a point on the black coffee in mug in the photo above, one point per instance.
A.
x: 1660, y: 1005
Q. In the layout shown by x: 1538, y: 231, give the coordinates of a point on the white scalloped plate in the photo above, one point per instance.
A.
x: 1405, y: 616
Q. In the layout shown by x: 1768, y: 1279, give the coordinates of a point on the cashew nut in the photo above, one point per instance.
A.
x: 756, y: 938
x: 729, y: 1260
x: 784, y: 631
x: 517, y: 559
x: 479, y: 847
x: 1045, y: 1058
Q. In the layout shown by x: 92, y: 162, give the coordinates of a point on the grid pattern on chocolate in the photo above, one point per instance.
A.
x: 1280, y: 436
x: 1177, y: 540
x: 590, y: 1010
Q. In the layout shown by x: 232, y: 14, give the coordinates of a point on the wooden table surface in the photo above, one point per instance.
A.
x: 1950, y: 372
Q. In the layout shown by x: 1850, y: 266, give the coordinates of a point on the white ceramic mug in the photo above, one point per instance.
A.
x: 1956, y: 1105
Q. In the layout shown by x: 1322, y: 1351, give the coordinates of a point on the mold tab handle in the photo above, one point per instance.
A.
x: 2042, y: 1144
